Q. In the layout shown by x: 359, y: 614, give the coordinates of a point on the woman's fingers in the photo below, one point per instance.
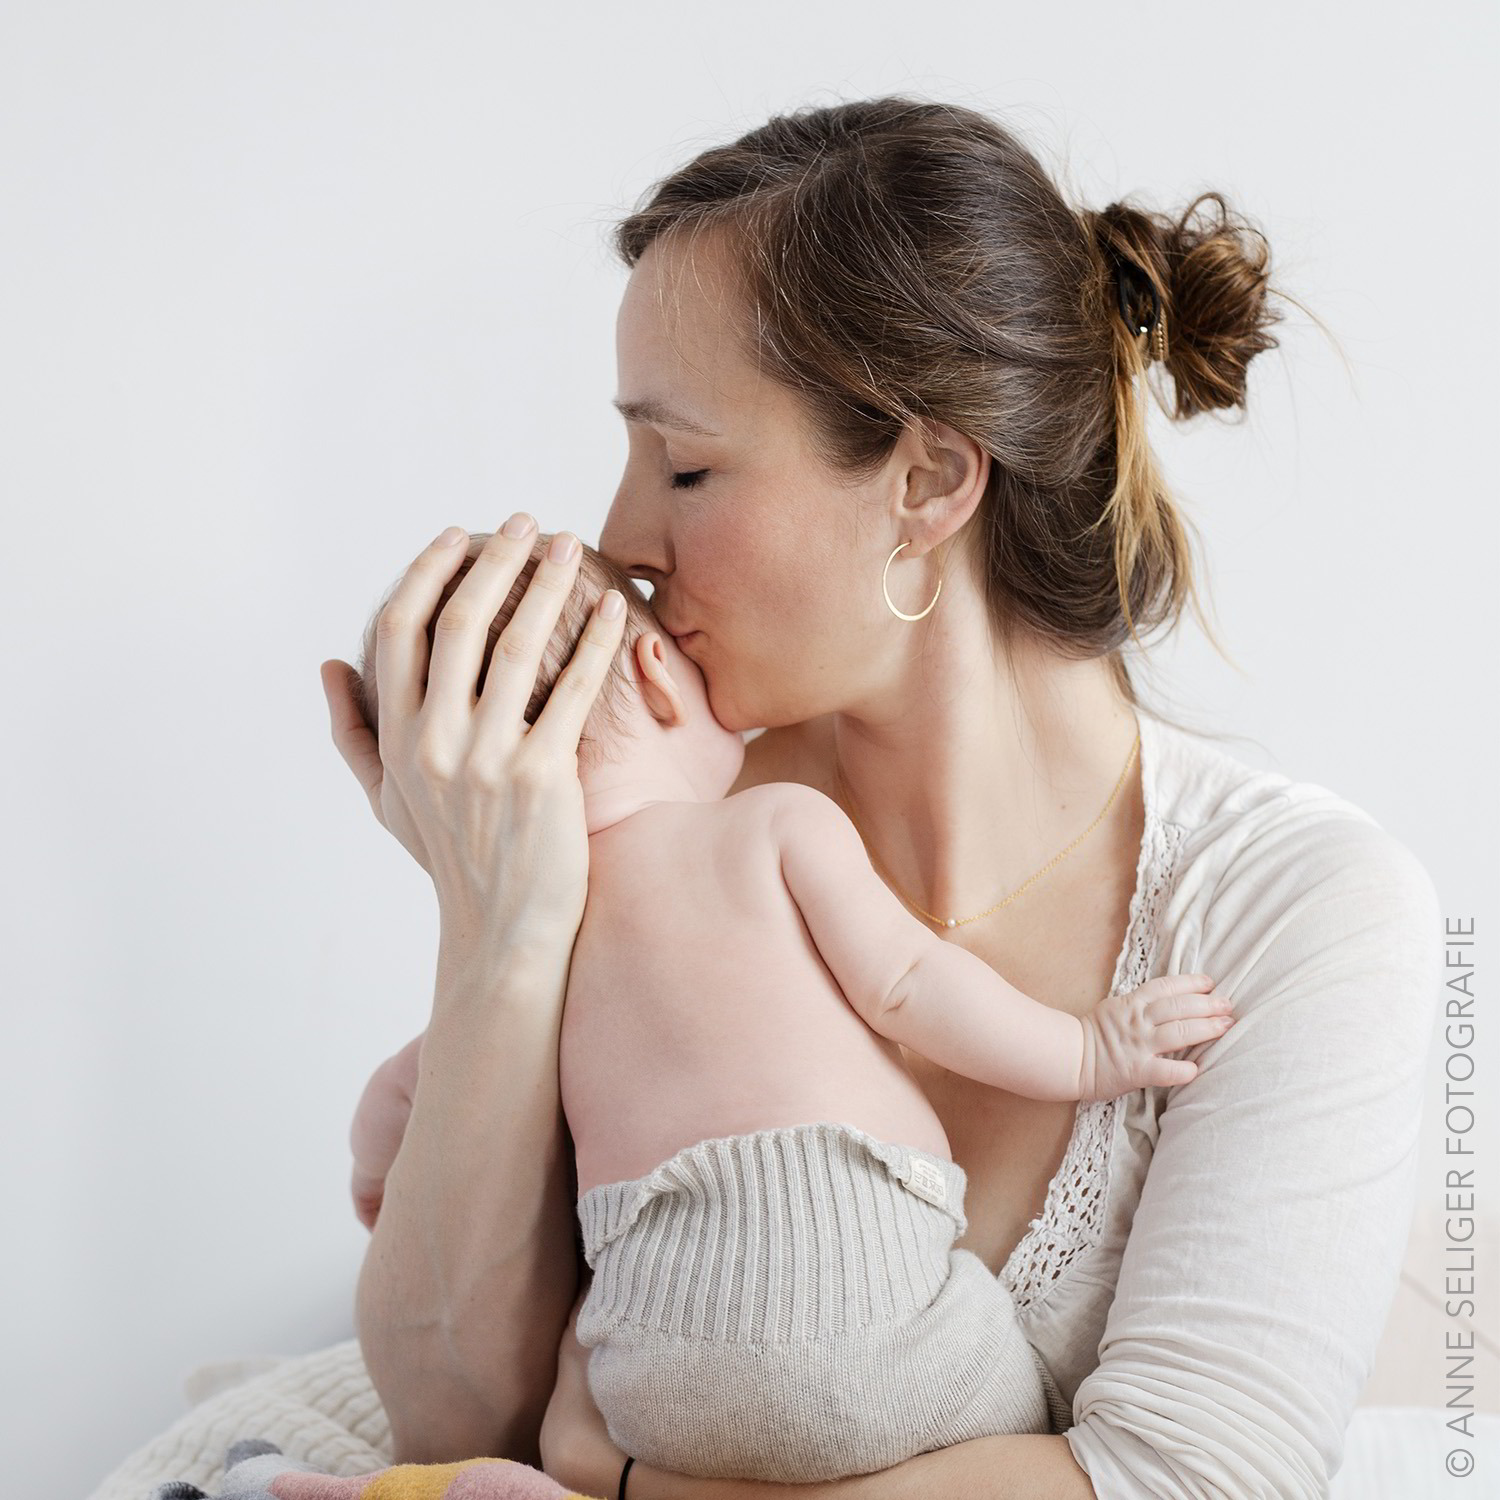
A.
x: 511, y: 679
x: 461, y: 632
x: 560, y: 723
x: 401, y: 631
x: 350, y: 732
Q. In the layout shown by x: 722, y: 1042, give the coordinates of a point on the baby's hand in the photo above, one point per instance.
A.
x: 368, y: 1190
x: 1125, y: 1035
x: 379, y: 1126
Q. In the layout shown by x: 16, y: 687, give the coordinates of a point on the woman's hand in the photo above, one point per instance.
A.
x: 357, y: 744
x: 576, y: 1446
x: 491, y: 809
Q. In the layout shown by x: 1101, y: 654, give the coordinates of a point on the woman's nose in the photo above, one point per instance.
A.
x: 630, y: 546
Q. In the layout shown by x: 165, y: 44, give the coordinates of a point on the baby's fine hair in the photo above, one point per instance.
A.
x: 596, y: 573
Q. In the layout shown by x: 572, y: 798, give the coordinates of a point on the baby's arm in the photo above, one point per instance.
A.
x: 379, y: 1125
x: 950, y: 1006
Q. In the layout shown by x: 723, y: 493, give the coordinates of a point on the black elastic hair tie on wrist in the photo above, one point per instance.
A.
x: 623, y: 1473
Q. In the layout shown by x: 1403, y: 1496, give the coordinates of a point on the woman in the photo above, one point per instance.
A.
x: 889, y: 477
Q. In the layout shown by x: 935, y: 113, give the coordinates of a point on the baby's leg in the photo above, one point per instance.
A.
x: 787, y: 1305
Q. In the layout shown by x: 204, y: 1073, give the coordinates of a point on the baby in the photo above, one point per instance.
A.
x: 766, y: 1198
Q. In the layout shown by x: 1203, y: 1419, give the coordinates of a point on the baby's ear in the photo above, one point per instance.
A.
x: 661, y: 694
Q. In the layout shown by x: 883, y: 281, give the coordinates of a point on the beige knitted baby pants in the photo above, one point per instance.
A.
x: 788, y: 1305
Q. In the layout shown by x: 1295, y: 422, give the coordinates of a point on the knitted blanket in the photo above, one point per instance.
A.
x: 307, y: 1428
x: 258, y: 1470
x: 255, y: 1469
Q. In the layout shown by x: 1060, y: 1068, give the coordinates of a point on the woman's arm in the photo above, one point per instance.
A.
x: 1025, y: 1466
x: 471, y: 1269
x: 472, y: 1266
x: 1266, y: 1247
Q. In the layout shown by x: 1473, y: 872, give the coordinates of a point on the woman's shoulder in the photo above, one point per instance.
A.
x: 1301, y: 905
x: 1233, y: 826
x: 1264, y: 835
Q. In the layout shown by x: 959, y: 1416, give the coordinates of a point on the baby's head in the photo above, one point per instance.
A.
x: 653, y: 706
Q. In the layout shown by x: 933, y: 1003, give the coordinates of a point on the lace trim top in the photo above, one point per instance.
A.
x: 1072, y: 1217
x: 1178, y: 1283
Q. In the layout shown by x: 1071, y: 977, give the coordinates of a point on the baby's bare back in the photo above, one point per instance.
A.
x: 698, y: 1005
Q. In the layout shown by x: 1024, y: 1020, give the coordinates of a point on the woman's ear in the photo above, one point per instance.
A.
x: 661, y: 694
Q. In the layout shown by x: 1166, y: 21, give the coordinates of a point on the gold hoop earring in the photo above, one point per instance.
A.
x: 886, y: 591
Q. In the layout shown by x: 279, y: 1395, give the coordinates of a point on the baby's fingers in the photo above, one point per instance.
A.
x: 1170, y: 1036
x: 1165, y: 1073
x: 1176, y: 996
x: 1170, y: 986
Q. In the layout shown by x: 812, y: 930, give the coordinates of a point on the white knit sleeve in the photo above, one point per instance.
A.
x: 1265, y: 1251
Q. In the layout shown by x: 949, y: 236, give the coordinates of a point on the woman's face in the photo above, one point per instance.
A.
x: 748, y: 540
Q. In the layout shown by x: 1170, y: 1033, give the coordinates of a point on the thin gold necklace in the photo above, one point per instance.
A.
x: 1025, y: 885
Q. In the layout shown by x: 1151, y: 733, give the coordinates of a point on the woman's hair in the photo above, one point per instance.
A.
x: 596, y: 573
x: 904, y: 262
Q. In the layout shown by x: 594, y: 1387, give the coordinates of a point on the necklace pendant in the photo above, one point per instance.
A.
x: 951, y: 922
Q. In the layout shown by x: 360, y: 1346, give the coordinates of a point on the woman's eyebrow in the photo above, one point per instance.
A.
x: 661, y: 415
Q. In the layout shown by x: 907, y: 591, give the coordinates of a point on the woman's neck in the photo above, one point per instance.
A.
x: 974, y: 767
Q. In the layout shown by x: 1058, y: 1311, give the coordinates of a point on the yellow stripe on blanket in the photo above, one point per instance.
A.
x: 470, y: 1479
x: 423, y: 1481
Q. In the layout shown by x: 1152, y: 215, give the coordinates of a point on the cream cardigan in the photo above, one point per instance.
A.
x: 1212, y: 1269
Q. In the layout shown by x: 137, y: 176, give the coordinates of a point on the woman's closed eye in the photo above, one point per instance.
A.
x: 689, y: 479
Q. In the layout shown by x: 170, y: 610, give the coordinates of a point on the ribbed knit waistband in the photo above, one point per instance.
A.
x: 788, y: 1233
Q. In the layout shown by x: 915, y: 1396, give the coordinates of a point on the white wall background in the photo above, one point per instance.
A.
x: 286, y: 288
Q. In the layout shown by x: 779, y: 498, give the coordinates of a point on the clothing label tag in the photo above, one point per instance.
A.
x: 926, y: 1181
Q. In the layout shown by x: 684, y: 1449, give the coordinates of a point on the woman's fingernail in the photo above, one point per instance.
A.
x: 562, y: 548
x: 518, y: 525
x: 448, y: 537
x: 613, y: 605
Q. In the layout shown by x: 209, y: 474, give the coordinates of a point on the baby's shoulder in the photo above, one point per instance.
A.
x: 664, y: 829
x: 773, y: 806
x: 801, y: 753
